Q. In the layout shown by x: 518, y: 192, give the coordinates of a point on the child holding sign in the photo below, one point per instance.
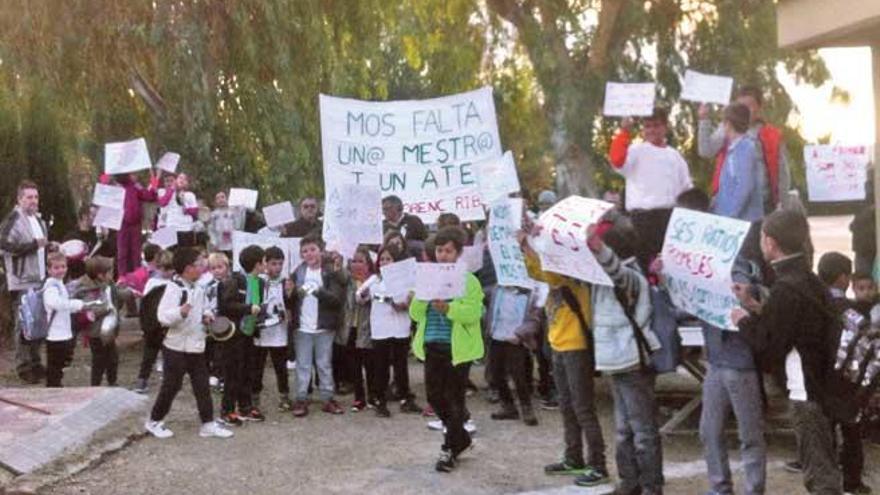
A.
x: 128, y: 240
x: 448, y: 338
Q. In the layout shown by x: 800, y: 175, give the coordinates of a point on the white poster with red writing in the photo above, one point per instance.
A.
x: 698, y: 256
x: 562, y: 244
x: 836, y: 173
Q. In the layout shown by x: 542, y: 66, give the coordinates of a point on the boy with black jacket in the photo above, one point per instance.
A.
x: 241, y: 299
x: 317, y: 312
x: 792, y: 329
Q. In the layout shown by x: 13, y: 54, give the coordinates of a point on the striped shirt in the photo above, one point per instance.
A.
x: 438, y: 328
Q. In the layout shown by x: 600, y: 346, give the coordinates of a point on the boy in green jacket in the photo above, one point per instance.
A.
x: 448, y: 338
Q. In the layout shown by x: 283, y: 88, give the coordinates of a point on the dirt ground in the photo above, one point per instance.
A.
x: 360, y: 453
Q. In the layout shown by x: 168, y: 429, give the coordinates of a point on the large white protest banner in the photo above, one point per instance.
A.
x: 168, y: 162
x: 497, y: 177
x: 562, y: 244
x: 109, y: 218
x: 352, y: 216
x: 505, y: 220
x: 439, y: 281
x: 698, y: 256
x: 278, y: 214
x: 245, y: 198
x: 437, y: 141
x: 836, y: 173
x: 706, y: 88
x: 126, y: 157
x: 628, y: 99
x: 109, y: 196
x: 290, y: 246
x: 400, y: 277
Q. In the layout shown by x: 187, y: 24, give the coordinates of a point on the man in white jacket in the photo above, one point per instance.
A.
x: 184, y: 310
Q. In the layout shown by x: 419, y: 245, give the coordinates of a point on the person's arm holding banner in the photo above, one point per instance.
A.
x: 149, y: 193
x: 709, y: 140
x: 626, y: 279
x: 531, y: 258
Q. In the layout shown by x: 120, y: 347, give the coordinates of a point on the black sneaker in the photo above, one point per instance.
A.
x: 860, y: 489
x: 410, y: 406
x: 446, y: 462
x: 794, y: 467
x: 382, y: 411
x: 564, y: 468
x: 253, y: 415
x: 549, y: 404
x: 464, y: 448
x: 592, y: 477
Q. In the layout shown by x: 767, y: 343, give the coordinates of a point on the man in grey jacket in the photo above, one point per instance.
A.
x: 23, y: 241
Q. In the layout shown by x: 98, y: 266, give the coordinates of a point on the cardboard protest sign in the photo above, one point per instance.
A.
x: 439, y: 281
x: 168, y: 162
x: 245, y: 198
x: 472, y: 257
x: 698, y: 255
x: 505, y: 220
x: 705, y: 88
x: 164, y: 237
x: 109, y: 196
x: 352, y: 216
x: 126, y: 157
x: 423, y: 150
x: 509, y: 308
x: 562, y: 244
x: 290, y: 246
x: 109, y: 218
x: 279, y: 214
x: 836, y: 173
x: 400, y: 277
x: 497, y: 177
x: 629, y: 99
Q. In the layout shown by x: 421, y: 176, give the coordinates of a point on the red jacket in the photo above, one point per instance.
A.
x: 771, y: 140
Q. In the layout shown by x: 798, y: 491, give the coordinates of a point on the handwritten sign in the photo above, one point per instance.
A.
x: 279, y: 214
x: 442, y: 281
x: 562, y: 244
x: 352, y: 216
x: 836, y: 173
x: 164, y: 237
x: 400, y: 277
x: 109, y: 196
x: 126, y: 157
x: 629, y: 99
x: 706, y: 88
x: 505, y: 220
x: 698, y: 256
x: 472, y: 256
x: 422, y: 150
x: 290, y: 246
x: 168, y: 162
x: 109, y: 218
x: 509, y: 308
x: 245, y: 198
x: 497, y: 177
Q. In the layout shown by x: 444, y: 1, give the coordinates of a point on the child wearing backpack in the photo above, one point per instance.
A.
x: 99, y: 321
x: 183, y: 310
x: 794, y: 328
x: 318, y: 303
x: 163, y: 263
x: 272, y: 341
x: 389, y: 334
x: 448, y: 339
x: 624, y: 342
x: 58, y: 306
x: 241, y: 300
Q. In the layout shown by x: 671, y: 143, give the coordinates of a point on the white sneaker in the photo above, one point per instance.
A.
x: 291, y: 365
x: 435, y: 425
x: 213, y: 381
x: 158, y: 430
x: 159, y: 367
x: 212, y: 429
x: 470, y: 427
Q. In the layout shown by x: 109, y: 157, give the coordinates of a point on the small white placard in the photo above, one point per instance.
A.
x: 168, y: 162
x: 109, y: 218
x: 246, y: 198
x: 441, y: 281
x: 126, y: 157
x: 279, y: 214
x: 629, y: 99
x: 706, y: 88
x: 109, y: 196
x: 164, y: 237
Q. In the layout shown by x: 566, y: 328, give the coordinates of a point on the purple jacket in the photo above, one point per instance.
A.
x: 135, y: 196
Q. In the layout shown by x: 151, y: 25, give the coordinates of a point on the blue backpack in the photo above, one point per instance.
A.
x: 32, y: 315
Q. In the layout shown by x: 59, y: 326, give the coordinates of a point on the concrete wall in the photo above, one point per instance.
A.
x: 826, y: 23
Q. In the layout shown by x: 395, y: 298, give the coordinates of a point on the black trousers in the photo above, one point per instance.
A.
x: 391, y: 354
x: 343, y: 371
x: 445, y: 386
x: 546, y: 386
x: 105, y: 361
x: 57, y: 354
x: 852, y: 455
x: 237, y: 351
x: 176, y: 364
x: 362, y: 366
x: 511, y: 361
x: 278, y: 357
x: 148, y: 359
x: 214, y: 357
x: 651, y: 227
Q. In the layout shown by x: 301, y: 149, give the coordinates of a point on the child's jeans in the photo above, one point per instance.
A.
x: 317, y: 348
x: 105, y: 361
x: 639, y: 451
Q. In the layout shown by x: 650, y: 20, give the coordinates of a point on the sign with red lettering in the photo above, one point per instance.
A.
x: 562, y: 244
x: 698, y: 256
x: 836, y: 173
